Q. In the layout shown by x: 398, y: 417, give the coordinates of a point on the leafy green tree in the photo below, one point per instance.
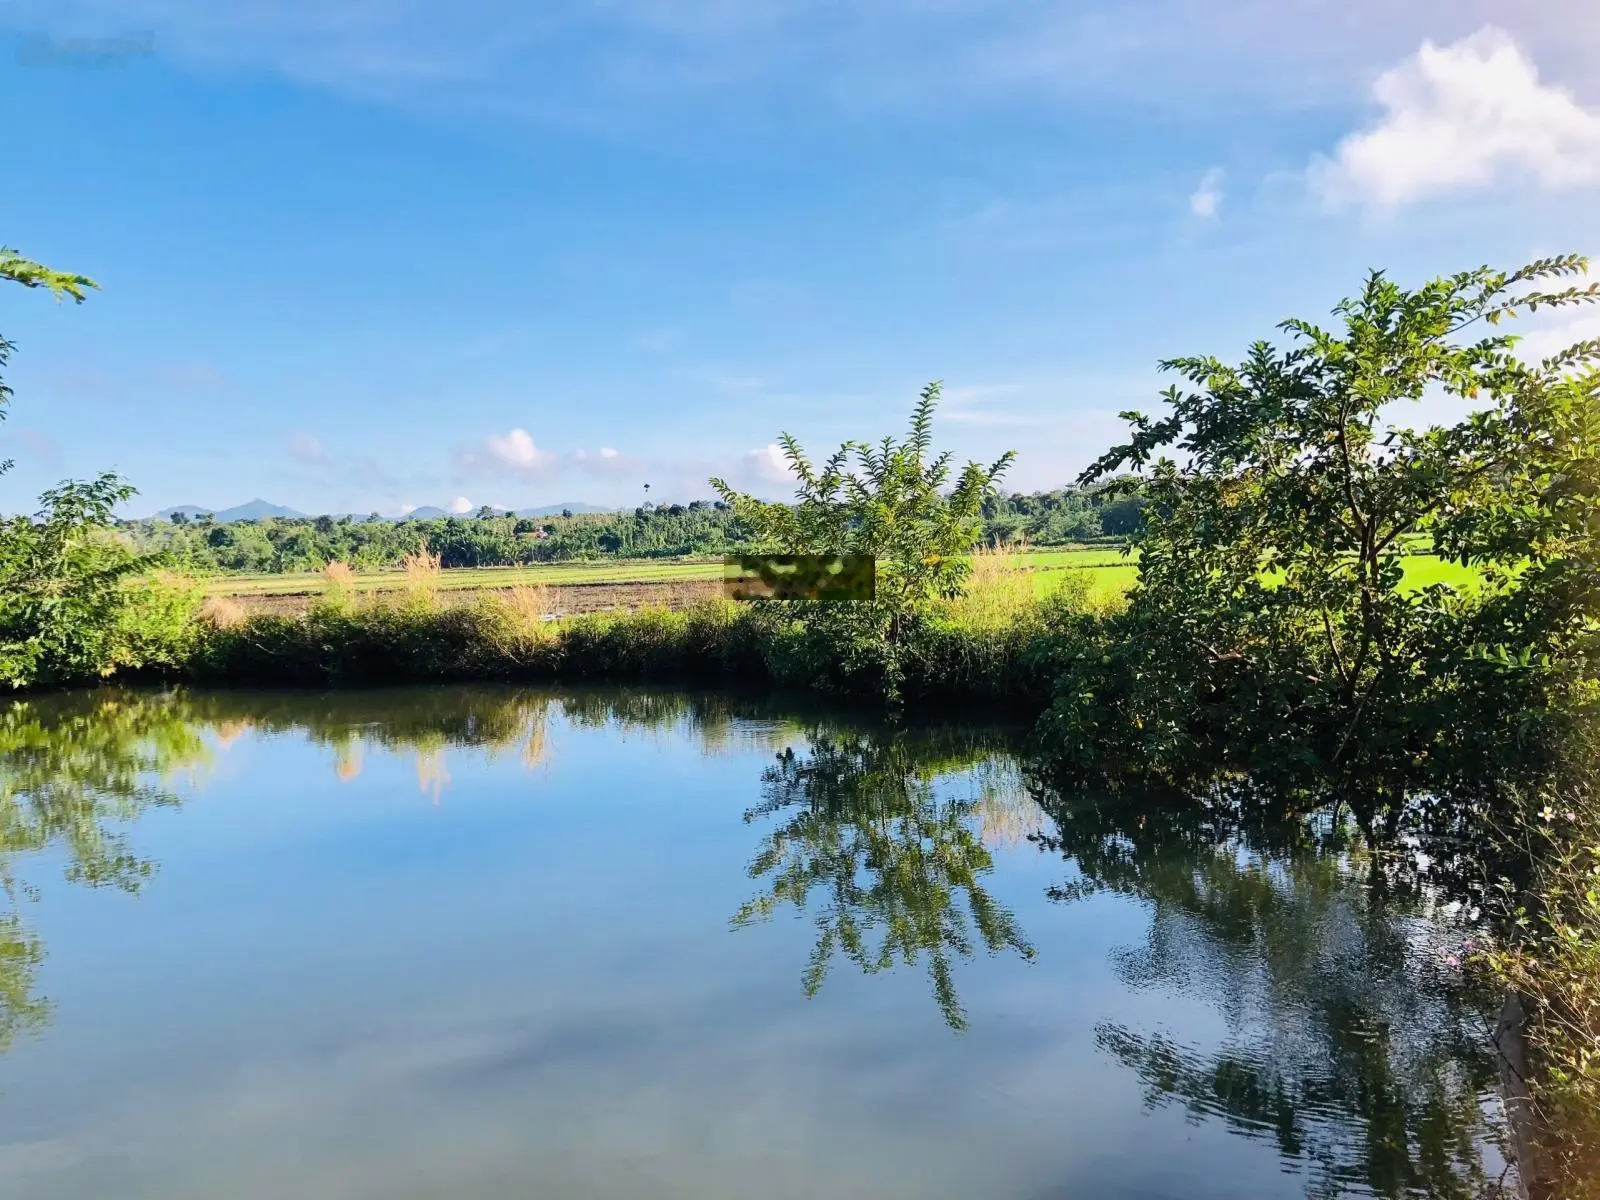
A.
x: 61, y: 586
x: 30, y: 274
x: 890, y: 501
x: 1269, y: 616
x: 893, y: 501
x: 65, y: 613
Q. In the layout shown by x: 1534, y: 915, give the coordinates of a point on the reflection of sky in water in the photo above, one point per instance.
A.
x: 362, y: 971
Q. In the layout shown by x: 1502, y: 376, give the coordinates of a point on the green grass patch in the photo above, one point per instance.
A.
x: 1113, y: 574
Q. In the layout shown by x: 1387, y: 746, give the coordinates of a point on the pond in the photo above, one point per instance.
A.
x: 475, y: 942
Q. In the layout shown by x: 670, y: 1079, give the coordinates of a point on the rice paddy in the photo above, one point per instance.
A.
x: 1110, y: 573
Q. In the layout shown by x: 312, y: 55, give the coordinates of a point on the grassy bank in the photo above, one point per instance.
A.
x: 996, y: 642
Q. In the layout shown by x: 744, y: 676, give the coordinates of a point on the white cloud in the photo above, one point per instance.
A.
x: 608, y: 461
x: 517, y: 451
x: 1553, y: 338
x: 1460, y: 116
x: 307, y: 447
x: 461, y: 505
x: 768, y: 465
x: 1207, y: 198
x: 514, y: 453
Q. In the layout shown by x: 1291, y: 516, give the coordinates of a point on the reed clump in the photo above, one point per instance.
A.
x: 999, y: 589
x: 422, y: 577
x: 223, y: 612
x: 339, y: 587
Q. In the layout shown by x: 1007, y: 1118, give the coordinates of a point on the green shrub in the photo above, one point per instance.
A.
x: 1552, y: 961
x: 72, y: 604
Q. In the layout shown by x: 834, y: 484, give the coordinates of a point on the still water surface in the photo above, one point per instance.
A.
x: 477, y: 943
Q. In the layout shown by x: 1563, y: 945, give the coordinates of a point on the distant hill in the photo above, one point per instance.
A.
x: 257, y: 510
x: 254, y: 510
x: 555, y: 510
x: 549, y: 510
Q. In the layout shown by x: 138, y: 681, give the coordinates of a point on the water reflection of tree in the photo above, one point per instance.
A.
x: 73, y: 769
x: 1351, y: 1047
x: 77, y: 769
x: 886, y: 852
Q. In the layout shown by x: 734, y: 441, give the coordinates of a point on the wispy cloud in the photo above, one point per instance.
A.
x: 1460, y: 116
x: 608, y: 462
x: 1207, y: 198
x: 34, y: 443
x: 307, y: 447
x: 986, y: 404
x: 573, y: 60
x: 190, y: 376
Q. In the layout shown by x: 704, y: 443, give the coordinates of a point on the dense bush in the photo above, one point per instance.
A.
x: 76, y: 603
x: 1269, y: 625
x: 1550, y: 960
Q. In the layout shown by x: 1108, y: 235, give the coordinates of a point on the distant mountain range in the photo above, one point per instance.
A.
x: 256, y: 510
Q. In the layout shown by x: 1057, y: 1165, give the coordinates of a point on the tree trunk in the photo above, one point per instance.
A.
x: 1535, y: 1176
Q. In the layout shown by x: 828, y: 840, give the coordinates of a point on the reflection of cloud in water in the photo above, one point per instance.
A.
x: 227, y: 733
x: 695, y: 1095
x: 1008, y: 816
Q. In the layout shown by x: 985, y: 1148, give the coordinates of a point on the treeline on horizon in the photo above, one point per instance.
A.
x: 274, y: 545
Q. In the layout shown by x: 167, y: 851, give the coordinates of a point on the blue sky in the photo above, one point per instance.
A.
x: 365, y: 254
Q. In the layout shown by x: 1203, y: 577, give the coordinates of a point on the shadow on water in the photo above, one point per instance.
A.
x: 1354, y: 1047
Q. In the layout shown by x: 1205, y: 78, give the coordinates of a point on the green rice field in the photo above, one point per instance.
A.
x: 1112, y: 573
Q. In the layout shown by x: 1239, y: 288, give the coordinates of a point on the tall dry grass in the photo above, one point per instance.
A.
x: 422, y: 573
x: 223, y: 612
x: 339, y: 589
x: 999, y: 590
x: 528, y: 605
